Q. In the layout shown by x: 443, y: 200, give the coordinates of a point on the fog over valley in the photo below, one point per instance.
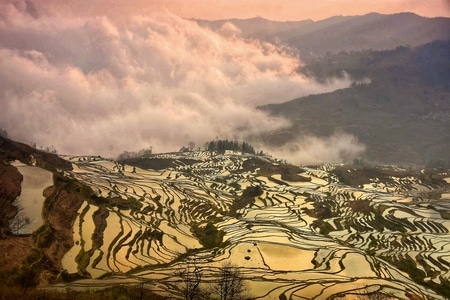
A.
x: 91, y: 85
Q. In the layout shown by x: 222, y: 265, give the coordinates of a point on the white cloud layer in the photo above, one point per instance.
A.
x: 310, y: 149
x: 91, y: 85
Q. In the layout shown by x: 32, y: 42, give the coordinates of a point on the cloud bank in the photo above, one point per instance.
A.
x: 92, y: 85
x: 311, y: 150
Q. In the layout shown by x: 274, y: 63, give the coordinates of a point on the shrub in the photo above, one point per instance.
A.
x: 209, y: 236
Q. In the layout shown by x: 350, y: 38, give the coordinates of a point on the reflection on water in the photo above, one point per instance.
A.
x: 297, y: 240
x: 31, y: 199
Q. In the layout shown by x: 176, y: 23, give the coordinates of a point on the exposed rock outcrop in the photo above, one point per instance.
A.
x: 10, y: 188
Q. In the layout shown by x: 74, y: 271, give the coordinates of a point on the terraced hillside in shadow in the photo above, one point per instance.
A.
x: 294, y: 233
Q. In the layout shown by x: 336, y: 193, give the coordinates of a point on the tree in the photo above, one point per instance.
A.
x: 51, y: 149
x: 145, y: 152
x: 191, y: 275
x: 247, y: 148
x: 20, y: 221
x: 230, y: 283
x: 126, y: 155
x: 191, y: 146
x: 3, y: 133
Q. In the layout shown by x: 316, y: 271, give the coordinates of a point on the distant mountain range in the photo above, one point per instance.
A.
x: 342, y: 33
x: 402, y: 115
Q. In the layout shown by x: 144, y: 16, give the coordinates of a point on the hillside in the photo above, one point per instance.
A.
x: 343, y: 33
x: 324, y: 231
x: 399, y: 105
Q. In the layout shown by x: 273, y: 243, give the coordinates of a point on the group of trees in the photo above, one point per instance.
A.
x: 47, y: 149
x: 227, y: 283
x: 222, y: 145
x: 50, y: 149
x: 189, y: 148
x: 145, y: 152
x: 217, y: 145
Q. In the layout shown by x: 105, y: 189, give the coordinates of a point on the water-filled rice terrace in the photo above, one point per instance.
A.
x: 294, y: 233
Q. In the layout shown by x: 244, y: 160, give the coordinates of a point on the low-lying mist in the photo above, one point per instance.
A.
x: 93, y: 85
x: 311, y: 149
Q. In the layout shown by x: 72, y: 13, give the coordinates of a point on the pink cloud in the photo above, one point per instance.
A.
x: 92, y: 85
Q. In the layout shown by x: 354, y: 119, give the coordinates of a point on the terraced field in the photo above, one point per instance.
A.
x: 293, y: 237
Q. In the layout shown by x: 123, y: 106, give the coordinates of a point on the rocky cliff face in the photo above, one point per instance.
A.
x: 10, y: 188
x: 11, y: 179
x: 63, y: 200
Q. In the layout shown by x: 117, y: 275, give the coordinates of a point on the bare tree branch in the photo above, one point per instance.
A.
x: 230, y: 283
x: 192, y: 275
x: 20, y: 221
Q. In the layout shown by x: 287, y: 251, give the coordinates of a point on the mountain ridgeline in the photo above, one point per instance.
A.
x: 399, y: 105
x: 314, y: 39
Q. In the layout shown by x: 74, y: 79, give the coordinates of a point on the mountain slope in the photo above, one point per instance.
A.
x: 402, y: 115
x: 372, y: 31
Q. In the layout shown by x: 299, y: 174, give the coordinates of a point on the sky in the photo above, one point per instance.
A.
x: 292, y: 10
x: 101, y: 77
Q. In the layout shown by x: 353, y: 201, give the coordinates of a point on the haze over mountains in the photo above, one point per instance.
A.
x: 399, y: 108
x: 402, y: 115
x: 340, y: 33
x: 163, y: 81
